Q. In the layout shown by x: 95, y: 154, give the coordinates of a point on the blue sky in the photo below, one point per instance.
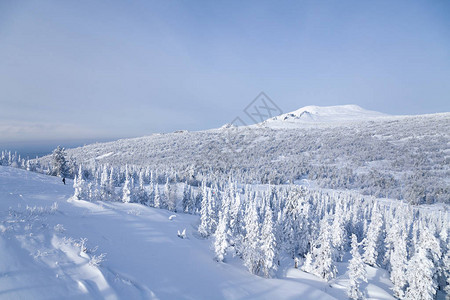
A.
x: 107, y: 69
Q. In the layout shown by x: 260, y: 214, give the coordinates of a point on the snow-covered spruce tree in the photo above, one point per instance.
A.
x: 446, y: 272
x: 79, y: 185
x: 142, y: 194
x: 268, y: 243
x: 295, y: 228
x: 421, y: 282
x: 212, y: 214
x: 398, y: 261
x: 307, y: 265
x: 170, y: 200
x: 339, y: 234
x: 220, y: 236
x: 187, y: 203
x: 157, y: 197
x: 151, y: 192
x: 93, y: 193
x: 322, y: 252
x: 204, y: 216
x: 372, y: 241
x: 59, y: 163
x: 356, y: 272
x: 126, y: 190
x: 251, y: 248
x: 237, y: 227
x: 104, y: 185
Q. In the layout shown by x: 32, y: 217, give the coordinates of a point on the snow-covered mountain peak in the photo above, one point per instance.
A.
x: 322, y: 114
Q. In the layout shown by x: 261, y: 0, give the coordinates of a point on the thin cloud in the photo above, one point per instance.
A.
x: 18, y: 131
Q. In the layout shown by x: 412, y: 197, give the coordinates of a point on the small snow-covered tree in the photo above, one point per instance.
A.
x: 252, y: 254
x: 126, y: 190
x: 157, y: 197
x: 322, y: 252
x: 142, y: 195
x: 79, y: 185
x: 339, y: 234
x: 268, y: 244
x: 446, y: 272
x: 307, y: 265
x: 104, y: 185
x: 168, y: 197
x: 187, y: 203
x: 356, y: 272
x: 59, y: 162
x: 372, y: 241
x: 204, y: 216
x: 220, y: 237
x: 398, y: 263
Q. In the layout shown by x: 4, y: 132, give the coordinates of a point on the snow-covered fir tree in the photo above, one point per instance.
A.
x: 322, y: 252
x: 170, y: 201
x: 126, y: 190
x: 372, y: 241
x: 398, y: 262
x: 252, y: 250
x: 79, y: 185
x: 187, y: 201
x: 421, y: 276
x: 339, y: 234
x: 220, y: 236
x: 59, y: 163
x: 204, y: 215
x: 268, y: 244
x: 356, y: 272
x: 157, y: 197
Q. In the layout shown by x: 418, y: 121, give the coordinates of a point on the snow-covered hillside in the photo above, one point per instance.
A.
x: 316, y: 115
x: 403, y: 157
x: 52, y: 247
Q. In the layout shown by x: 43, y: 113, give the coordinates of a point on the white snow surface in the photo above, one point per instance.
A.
x: 322, y: 114
x: 41, y: 234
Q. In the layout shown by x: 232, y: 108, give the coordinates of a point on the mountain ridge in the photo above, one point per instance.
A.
x: 314, y: 114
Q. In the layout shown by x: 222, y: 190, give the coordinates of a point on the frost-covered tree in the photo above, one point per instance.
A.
x: 170, y: 200
x: 307, y: 265
x: 446, y: 272
x: 142, y: 196
x: 157, y: 197
x: 322, y: 252
x: 252, y: 252
x: 220, y: 236
x: 204, y: 215
x: 79, y: 185
x: 339, y: 234
x: 372, y: 245
x: 212, y: 214
x: 268, y: 244
x: 295, y: 227
x: 398, y: 263
x: 126, y: 190
x: 105, y: 192
x: 356, y: 272
x: 59, y: 163
x: 420, y: 274
x: 187, y: 202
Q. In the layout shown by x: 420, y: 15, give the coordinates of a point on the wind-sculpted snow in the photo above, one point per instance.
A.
x: 397, y: 157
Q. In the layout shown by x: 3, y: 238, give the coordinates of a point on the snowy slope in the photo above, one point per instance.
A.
x: 322, y: 115
x: 342, y: 155
x: 41, y: 234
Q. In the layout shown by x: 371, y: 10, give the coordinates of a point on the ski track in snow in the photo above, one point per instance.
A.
x: 145, y: 259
